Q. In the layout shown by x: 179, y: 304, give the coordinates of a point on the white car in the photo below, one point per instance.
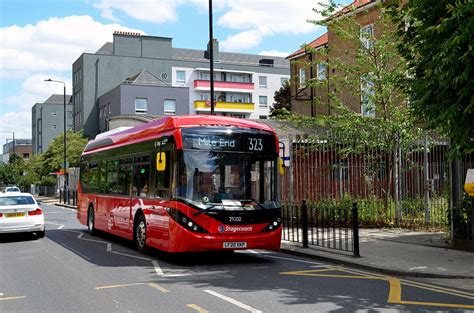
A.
x: 19, y: 212
x: 12, y: 189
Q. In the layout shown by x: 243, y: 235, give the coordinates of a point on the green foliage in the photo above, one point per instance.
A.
x: 11, y: 173
x: 282, y: 98
x: 437, y: 42
x: 54, y: 156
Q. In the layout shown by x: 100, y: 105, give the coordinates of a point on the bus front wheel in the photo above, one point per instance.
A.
x: 140, y: 233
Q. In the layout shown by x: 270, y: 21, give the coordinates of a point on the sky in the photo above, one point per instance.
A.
x: 40, y: 39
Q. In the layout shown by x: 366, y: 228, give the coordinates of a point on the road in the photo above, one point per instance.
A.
x: 72, y: 271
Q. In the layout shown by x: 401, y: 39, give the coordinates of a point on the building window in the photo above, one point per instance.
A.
x: 181, y: 77
x: 262, y: 81
x: 321, y: 71
x: 367, y: 36
x: 262, y: 100
x: 302, y: 77
x: 140, y: 105
x: 170, y: 107
x: 26, y: 155
x: 367, y: 93
x: 55, y: 113
x: 54, y: 127
x: 283, y: 81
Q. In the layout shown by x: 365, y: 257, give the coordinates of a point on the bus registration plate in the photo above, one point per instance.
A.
x: 235, y: 244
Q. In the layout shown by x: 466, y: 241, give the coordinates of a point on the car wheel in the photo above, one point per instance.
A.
x: 139, y: 233
x: 40, y: 234
x: 91, y: 221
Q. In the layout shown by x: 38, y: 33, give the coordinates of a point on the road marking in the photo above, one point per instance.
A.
x: 12, y: 298
x: 233, y: 301
x: 267, y: 255
x: 118, y: 286
x: 60, y: 225
x: 420, y: 285
x: 395, y: 286
x: 109, y: 247
x: 156, y: 286
x: 197, y: 308
x: 75, y: 251
x: 130, y: 255
x: 157, y: 267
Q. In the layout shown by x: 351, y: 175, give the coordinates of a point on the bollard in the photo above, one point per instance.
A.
x: 355, y: 229
x: 304, y: 221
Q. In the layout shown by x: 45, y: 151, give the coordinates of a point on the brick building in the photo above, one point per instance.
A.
x: 367, y: 14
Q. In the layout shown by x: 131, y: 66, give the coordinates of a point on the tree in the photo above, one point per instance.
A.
x: 282, y: 98
x: 366, y: 70
x: 11, y: 172
x: 437, y: 42
x: 53, y: 158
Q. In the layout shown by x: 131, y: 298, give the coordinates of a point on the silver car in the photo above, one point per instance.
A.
x: 19, y: 212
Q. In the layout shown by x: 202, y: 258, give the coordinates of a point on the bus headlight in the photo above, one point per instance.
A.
x: 273, y: 225
x: 184, y: 220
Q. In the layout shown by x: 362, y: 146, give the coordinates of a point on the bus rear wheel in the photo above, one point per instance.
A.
x: 91, y: 221
x: 140, y: 233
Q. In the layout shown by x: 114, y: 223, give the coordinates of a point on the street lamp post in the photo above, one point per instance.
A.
x: 211, y: 57
x: 65, y: 129
x: 13, y: 139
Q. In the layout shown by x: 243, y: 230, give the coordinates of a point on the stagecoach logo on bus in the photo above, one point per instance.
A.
x: 233, y: 229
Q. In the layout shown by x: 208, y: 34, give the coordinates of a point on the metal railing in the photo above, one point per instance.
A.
x: 69, y: 197
x: 323, y: 226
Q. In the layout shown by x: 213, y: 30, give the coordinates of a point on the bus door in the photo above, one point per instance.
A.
x: 160, y: 179
x: 122, y: 202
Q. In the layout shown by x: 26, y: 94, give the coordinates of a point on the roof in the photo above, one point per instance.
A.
x: 318, y: 42
x: 167, y: 124
x: 224, y: 57
x: 354, y: 5
x: 145, y: 77
x: 58, y: 99
x: 323, y: 39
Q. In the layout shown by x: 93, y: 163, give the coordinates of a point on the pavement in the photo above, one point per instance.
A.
x: 390, y: 251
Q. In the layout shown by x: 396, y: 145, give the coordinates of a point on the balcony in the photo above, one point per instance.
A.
x: 221, y: 106
x: 223, y: 86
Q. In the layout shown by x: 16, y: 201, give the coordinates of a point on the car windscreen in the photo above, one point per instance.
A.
x: 16, y: 200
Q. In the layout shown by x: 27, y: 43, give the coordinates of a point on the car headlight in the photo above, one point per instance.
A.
x: 273, y: 225
x: 184, y: 220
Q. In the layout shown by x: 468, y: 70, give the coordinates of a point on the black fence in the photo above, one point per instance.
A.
x: 328, y: 227
x: 68, y: 197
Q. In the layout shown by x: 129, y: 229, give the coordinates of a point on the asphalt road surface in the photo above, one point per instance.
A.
x: 72, y: 271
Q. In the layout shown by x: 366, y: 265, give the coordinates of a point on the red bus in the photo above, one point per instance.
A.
x: 184, y: 183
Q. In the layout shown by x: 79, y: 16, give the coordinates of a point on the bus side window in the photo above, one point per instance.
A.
x: 162, y: 179
x: 141, y: 176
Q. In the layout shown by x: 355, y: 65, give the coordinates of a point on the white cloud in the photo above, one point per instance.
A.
x: 17, y: 122
x: 266, y: 18
x: 36, y: 52
x: 275, y: 53
x: 252, y: 20
x: 51, y: 45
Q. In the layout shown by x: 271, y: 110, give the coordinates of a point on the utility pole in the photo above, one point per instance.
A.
x: 211, y: 57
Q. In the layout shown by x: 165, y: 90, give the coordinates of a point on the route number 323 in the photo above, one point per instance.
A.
x: 255, y: 144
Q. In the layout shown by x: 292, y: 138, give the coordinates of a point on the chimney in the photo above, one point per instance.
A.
x: 215, y: 50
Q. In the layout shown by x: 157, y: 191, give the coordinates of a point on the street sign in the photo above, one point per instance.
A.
x: 469, y: 183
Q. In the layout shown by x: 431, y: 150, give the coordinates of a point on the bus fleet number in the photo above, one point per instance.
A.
x: 255, y: 144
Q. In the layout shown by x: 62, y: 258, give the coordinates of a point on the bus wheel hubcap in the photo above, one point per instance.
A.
x: 141, y: 233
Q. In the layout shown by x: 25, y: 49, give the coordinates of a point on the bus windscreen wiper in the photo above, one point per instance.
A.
x: 251, y: 200
x: 205, y: 209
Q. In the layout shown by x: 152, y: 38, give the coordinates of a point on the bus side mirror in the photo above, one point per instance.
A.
x: 281, y: 167
x: 161, y: 161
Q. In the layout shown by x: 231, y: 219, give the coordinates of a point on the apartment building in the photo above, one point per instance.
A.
x: 20, y: 147
x: 244, y: 83
x: 47, y: 121
x: 367, y: 14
